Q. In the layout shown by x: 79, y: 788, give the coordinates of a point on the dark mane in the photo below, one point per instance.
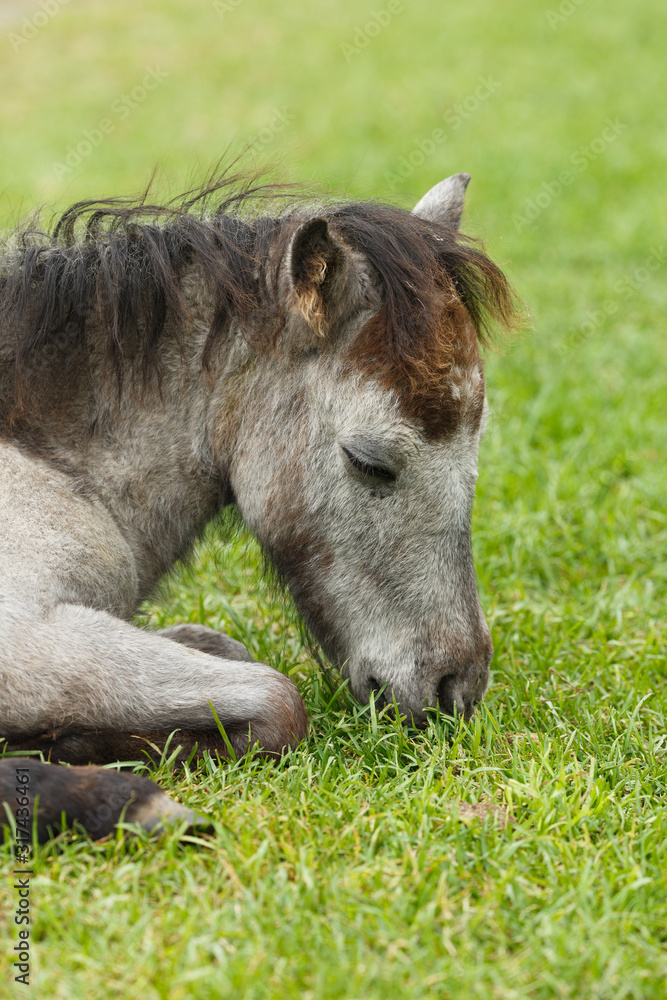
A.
x: 111, y: 270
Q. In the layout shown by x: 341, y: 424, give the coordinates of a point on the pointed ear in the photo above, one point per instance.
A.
x: 317, y: 264
x: 444, y: 202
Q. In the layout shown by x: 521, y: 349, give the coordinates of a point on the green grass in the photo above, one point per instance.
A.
x: 355, y: 870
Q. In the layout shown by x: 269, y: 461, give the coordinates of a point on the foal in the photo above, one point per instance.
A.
x: 319, y: 370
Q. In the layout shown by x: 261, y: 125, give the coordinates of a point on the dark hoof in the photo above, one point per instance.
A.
x: 207, y: 640
x: 160, y: 814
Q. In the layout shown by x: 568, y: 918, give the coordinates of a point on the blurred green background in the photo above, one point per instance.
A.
x: 346, y: 873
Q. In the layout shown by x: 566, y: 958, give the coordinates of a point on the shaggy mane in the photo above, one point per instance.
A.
x: 108, y: 274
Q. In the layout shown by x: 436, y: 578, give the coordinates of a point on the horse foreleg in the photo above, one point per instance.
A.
x: 83, y: 685
x: 80, y: 671
x: 93, y: 797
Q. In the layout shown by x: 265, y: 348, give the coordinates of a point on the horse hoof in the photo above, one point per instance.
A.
x: 159, y: 815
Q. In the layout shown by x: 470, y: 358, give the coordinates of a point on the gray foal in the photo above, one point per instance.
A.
x: 319, y: 370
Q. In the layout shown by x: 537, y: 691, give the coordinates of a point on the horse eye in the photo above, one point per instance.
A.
x: 367, y: 469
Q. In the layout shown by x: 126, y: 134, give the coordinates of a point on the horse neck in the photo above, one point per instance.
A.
x: 146, y: 452
x: 162, y: 463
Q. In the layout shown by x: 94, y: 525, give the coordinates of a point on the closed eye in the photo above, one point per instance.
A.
x: 371, y: 471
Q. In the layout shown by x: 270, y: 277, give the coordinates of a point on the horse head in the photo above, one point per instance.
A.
x: 354, y: 451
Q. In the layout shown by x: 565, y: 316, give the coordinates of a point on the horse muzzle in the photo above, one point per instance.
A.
x: 454, y: 686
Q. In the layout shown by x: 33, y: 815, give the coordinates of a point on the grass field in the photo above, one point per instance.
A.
x: 358, y: 869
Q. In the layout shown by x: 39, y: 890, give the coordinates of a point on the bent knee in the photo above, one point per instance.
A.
x: 280, y: 723
x: 290, y: 712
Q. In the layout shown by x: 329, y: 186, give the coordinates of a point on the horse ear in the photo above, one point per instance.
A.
x: 444, y: 202
x: 316, y: 263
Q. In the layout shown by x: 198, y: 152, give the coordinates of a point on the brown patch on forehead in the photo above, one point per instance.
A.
x: 437, y: 378
x: 439, y: 292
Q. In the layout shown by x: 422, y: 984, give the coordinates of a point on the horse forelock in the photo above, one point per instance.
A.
x: 439, y: 292
x: 435, y: 371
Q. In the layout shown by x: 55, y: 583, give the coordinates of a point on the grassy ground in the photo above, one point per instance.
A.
x: 359, y: 869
